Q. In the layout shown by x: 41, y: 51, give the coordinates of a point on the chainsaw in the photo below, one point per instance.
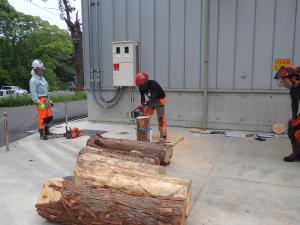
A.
x: 139, y: 111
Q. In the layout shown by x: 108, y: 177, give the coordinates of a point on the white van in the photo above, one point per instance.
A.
x: 7, y: 93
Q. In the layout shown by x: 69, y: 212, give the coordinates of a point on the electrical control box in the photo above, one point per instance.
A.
x: 125, y: 63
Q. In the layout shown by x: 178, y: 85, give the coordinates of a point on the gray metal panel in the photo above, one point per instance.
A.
x: 162, y: 42
x: 85, y: 43
x: 177, y: 35
x: 119, y: 19
x: 296, y: 58
x: 213, y: 43
x: 147, y: 36
x: 263, y: 45
x: 284, y: 32
x: 244, y: 44
x: 133, y: 20
x: 226, y: 44
x: 106, y: 19
x: 193, y: 44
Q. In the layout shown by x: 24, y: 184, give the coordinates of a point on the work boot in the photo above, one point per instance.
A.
x: 42, y: 134
x: 291, y: 158
x: 47, y: 131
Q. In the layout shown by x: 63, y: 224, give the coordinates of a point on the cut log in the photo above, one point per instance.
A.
x: 143, y: 128
x: 101, y: 161
x: 63, y: 201
x: 105, y: 173
x: 149, y: 150
x: 119, y: 154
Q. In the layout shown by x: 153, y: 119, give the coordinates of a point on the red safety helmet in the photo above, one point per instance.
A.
x: 288, y: 72
x: 141, y: 78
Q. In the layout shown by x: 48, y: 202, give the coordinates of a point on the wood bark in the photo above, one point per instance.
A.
x: 63, y: 201
x: 150, y: 150
x: 108, y: 162
x: 107, y: 173
x: 143, y: 128
x: 114, y: 153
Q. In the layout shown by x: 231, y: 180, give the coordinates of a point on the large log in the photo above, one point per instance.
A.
x: 149, y: 150
x: 109, y: 161
x: 132, y: 156
x: 63, y: 201
x: 101, y: 171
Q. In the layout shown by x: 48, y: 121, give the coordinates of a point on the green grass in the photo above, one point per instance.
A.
x: 26, y: 100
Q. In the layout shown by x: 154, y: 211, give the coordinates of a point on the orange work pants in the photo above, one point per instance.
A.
x: 159, y: 107
x: 44, y: 115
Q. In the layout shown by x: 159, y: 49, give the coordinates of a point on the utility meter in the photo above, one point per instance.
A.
x: 125, y: 62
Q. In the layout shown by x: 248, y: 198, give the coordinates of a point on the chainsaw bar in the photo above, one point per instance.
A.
x: 53, y: 136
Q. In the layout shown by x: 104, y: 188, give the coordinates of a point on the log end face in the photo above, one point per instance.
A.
x: 50, y: 193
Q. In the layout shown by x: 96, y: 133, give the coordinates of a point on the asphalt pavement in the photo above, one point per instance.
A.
x: 22, y: 121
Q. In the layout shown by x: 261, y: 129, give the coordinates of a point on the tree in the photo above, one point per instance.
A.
x: 24, y: 38
x: 66, y: 9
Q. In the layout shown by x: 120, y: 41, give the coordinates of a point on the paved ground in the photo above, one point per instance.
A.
x: 23, y: 120
x: 235, y: 181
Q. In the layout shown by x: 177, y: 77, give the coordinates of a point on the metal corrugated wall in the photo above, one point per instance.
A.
x: 245, y: 37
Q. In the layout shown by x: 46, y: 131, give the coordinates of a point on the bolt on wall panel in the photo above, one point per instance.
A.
x: 244, y: 44
x: 226, y: 44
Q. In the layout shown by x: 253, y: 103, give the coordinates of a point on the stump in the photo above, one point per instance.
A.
x: 63, y: 201
x: 143, y: 128
x: 149, y: 150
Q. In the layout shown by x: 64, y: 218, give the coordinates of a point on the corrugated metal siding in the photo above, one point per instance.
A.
x: 245, y: 38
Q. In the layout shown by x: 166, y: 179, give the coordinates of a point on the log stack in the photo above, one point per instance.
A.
x: 117, y: 181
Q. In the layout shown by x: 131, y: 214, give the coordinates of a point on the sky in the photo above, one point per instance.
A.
x: 47, y: 11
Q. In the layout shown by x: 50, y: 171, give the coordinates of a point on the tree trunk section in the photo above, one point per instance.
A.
x: 101, y: 171
x: 63, y: 201
x: 131, y: 156
x: 101, y: 161
x: 143, y: 128
x: 150, y: 150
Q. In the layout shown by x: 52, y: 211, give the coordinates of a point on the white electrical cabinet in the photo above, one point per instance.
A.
x: 125, y: 63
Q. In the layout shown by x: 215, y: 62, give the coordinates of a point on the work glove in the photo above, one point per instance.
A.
x: 41, y: 105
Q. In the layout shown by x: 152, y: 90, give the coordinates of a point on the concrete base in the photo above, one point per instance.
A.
x: 232, y: 111
x: 236, y: 181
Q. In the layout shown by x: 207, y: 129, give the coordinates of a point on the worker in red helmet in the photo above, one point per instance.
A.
x: 156, y: 100
x: 289, y: 76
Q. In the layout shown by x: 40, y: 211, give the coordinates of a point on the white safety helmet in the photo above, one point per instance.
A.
x: 37, y: 64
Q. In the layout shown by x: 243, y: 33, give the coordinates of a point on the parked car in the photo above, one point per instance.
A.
x: 7, y: 93
x: 16, y: 89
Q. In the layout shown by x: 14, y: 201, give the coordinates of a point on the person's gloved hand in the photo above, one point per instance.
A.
x: 41, y: 105
x: 51, y: 103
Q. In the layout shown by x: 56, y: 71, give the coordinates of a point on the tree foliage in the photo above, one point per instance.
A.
x: 24, y: 38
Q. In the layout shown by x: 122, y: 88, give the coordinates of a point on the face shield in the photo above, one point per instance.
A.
x: 40, y: 71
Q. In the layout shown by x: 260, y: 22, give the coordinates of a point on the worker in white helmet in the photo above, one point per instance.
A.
x: 39, y: 93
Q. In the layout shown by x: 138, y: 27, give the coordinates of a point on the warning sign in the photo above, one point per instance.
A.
x: 281, y: 62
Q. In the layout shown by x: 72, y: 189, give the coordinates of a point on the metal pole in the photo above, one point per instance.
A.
x: 66, y: 115
x: 205, y: 64
x: 5, y: 122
